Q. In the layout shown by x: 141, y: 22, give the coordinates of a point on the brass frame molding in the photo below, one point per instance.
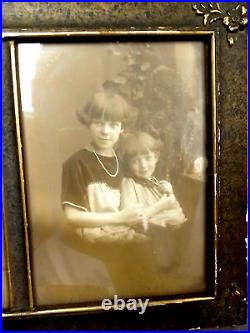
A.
x: 234, y: 19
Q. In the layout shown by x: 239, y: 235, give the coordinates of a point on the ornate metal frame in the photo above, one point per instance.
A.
x: 226, y: 303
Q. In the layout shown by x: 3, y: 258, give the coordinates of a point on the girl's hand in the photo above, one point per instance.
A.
x: 165, y: 187
x: 134, y: 216
x: 168, y: 202
x: 177, y: 224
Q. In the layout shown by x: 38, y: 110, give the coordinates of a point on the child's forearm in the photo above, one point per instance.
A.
x: 157, y: 207
x: 81, y: 218
x: 172, y: 217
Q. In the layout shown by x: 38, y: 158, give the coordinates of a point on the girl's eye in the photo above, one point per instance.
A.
x: 98, y: 122
x: 115, y: 124
x: 134, y: 161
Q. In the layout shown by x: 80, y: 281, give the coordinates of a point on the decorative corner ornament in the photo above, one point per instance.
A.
x: 234, y: 19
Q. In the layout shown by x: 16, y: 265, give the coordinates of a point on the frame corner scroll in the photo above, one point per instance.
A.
x: 234, y: 19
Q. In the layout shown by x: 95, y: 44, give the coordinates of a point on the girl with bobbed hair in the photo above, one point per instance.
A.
x: 91, y: 177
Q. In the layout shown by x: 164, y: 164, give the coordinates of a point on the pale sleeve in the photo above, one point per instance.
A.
x: 129, y: 197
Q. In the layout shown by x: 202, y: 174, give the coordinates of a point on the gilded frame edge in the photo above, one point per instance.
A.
x: 15, y: 36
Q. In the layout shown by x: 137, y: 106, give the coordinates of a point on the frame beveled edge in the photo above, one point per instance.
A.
x: 216, y: 141
x: 16, y: 36
x: 30, y: 33
x: 17, y: 105
x: 90, y: 309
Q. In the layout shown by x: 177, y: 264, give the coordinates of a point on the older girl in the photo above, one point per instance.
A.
x: 92, y: 177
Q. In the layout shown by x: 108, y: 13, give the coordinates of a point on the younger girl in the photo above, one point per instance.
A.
x: 140, y: 155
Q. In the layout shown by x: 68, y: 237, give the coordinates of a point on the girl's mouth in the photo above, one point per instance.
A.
x: 104, y: 139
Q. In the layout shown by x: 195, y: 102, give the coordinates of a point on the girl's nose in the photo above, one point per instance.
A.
x: 105, y: 128
x: 142, y: 163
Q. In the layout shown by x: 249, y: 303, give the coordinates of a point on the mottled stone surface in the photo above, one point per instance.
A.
x: 232, y: 162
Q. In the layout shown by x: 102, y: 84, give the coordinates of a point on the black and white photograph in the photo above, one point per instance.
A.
x: 115, y: 164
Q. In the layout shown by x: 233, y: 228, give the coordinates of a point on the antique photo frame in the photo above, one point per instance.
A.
x: 222, y: 289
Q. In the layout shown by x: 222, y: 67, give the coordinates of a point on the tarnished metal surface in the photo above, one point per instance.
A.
x: 94, y: 15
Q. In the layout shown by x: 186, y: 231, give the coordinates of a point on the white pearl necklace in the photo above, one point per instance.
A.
x: 103, y: 166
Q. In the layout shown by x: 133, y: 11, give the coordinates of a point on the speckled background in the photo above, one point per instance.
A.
x: 230, y: 307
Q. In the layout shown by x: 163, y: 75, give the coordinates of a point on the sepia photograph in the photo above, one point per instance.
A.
x: 116, y: 165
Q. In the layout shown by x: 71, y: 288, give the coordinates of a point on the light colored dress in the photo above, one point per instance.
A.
x: 135, y: 191
x: 164, y: 238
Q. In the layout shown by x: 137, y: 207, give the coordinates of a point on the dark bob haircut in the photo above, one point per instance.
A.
x: 109, y: 106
